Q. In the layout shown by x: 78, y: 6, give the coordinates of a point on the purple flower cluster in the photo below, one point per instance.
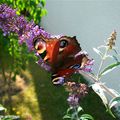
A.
x: 7, y: 15
x: 26, y: 31
x: 87, y: 62
x: 76, y: 92
x: 29, y: 36
x: 43, y: 65
x: 88, y: 66
x: 73, y: 100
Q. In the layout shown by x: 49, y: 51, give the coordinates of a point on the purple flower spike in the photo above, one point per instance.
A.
x: 46, y: 67
x: 73, y: 100
x: 76, y: 92
x: 43, y: 65
x: 88, y: 66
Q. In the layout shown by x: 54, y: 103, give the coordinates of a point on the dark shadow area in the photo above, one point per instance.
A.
x: 93, y: 105
x: 52, y: 99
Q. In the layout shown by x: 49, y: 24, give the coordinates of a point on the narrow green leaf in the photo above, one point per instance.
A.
x: 43, y: 2
x: 86, y: 117
x: 69, y: 109
x: 79, y: 109
x: 98, y: 90
x: 110, y: 112
x: 67, y: 116
x: 2, y: 108
x: 114, y: 101
x: 109, y: 68
x: 98, y: 52
x: 43, y: 12
x: 115, y: 58
x: 115, y: 51
x: 102, y: 46
x: 114, y: 92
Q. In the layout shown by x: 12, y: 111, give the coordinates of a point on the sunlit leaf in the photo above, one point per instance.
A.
x: 98, y: 52
x: 43, y: 2
x: 114, y: 101
x: 102, y: 46
x: 67, y: 117
x: 109, y: 68
x: 11, y: 117
x: 69, y: 109
x: 79, y: 109
x: 99, y: 90
x: 86, y: 117
x: 115, y: 105
x: 11, y: 0
x: 114, y: 92
x: 2, y: 108
x: 109, y: 56
x: 43, y: 12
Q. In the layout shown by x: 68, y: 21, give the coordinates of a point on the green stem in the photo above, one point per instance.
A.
x: 76, y: 113
x: 4, y: 81
x: 9, y: 92
x: 10, y: 77
x: 101, y: 64
x: 3, y: 72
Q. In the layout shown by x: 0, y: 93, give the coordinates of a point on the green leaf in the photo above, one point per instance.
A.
x: 43, y: 2
x: 99, y: 90
x: 114, y: 92
x: 102, y: 46
x: 79, y: 109
x: 109, y: 68
x: 11, y: 117
x: 114, y: 101
x: 43, y: 12
x: 86, y: 117
x: 98, y: 52
x: 69, y: 109
x: 2, y: 108
x: 110, y: 112
x: 115, y: 58
x: 67, y: 116
x: 115, y: 51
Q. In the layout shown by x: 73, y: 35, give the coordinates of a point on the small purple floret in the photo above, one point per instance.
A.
x: 43, y: 64
x: 73, y: 100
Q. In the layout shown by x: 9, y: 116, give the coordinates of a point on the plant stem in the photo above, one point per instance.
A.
x: 3, y: 72
x: 10, y: 77
x: 76, y: 113
x: 9, y: 92
x: 101, y: 64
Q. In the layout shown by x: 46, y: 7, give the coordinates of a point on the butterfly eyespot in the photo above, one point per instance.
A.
x: 40, y: 45
x: 76, y: 66
x: 63, y: 43
x: 58, y: 81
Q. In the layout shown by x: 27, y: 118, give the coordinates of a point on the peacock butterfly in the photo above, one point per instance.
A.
x: 63, y: 54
